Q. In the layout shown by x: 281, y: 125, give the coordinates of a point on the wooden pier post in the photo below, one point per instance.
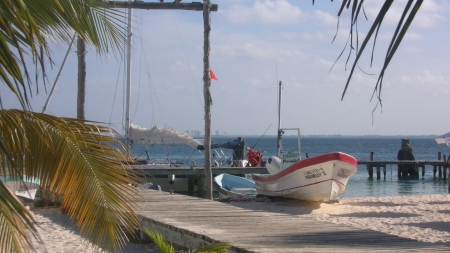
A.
x: 445, y: 168
x: 201, y: 186
x: 307, y: 155
x: 423, y: 171
x: 440, y: 167
x: 191, y: 185
x: 416, y: 168
x: 384, y: 171
x: 378, y: 172
x: 370, y: 167
x: 435, y: 168
x: 445, y: 172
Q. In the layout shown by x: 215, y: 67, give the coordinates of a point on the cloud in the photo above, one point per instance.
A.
x: 264, y: 12
x: 428, y: 15
x: 325, y: 18
x: 257, y: 50
x: 427, y: 82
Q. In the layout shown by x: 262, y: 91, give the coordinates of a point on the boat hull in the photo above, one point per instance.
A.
x: 234, y: 187
x: 314, y: 179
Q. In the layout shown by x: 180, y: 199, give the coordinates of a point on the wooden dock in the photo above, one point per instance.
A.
x: 193, y: 222
x: 418, y: 165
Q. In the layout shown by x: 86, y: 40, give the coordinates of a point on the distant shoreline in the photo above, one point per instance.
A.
x: 328, y: 136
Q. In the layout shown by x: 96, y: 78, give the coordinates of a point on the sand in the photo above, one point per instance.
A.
x: 424, y: 218
x: 58, y: 234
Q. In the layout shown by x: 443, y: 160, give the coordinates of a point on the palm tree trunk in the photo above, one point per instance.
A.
x: 81, y: 50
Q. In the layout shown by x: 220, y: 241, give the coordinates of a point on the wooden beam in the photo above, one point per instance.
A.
x: 194, y: 6
x: 197, y: 171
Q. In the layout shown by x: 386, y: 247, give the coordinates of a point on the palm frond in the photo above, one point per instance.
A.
x: 214, y: 248
x: 80, y: 162
x: 27, y: 26
x: 402, y: 27
x: 15, y: 223
x: 157, y: 238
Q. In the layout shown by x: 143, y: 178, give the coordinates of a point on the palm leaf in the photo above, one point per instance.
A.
x: 26, y: 26
x: 80, y: 162
x: 15, y: 223
x: 397, y: 37
x: 214, y: 248
x: 157, y: 238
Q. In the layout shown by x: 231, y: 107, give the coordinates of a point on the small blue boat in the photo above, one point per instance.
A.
x: 234, y: 187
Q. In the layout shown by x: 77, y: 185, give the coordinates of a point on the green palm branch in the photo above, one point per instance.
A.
x: 356, y: 7
x: 15, y: 222
x: 165, y: 247
x: 157, y: 238
x: 77, y: 161
x: 26, y: 26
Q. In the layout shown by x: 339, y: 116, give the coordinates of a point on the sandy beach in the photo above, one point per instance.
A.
x: 424, y: 218
x: 60, y: 235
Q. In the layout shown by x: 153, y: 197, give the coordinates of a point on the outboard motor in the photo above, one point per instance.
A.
x: 273, y: 165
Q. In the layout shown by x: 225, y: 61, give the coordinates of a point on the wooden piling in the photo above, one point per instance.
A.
x: 440, y: 167
x: 191, y: 185
x: 416, y: 169
x: 201, y: 186
x: 307, y: 155
x: 445, y: 168
x: 436, y: 167
x: 370, y: 167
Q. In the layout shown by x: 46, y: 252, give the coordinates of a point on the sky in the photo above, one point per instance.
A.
x: 255, y: 44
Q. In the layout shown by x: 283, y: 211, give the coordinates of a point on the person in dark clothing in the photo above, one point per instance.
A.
x: 406, y: 153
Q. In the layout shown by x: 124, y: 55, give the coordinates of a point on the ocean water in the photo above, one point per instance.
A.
x: 360, y: 185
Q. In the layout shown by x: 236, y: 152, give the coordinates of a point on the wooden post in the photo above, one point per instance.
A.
x: 378, y: 172
x: 369, y: 167
x: 423, y: 171
x: 201, y: 187
x: 208, y: 99
x: 445, y: 168
x: 384, y: 171
x: 440, y: 167
x: 445, y: 172
x: 206, y: 7
x: 307, y: 155
x: 436, y: 167
x: 191, y: 185
x: 416, y: 169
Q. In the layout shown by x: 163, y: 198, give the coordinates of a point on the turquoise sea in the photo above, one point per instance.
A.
x: 360, y: 185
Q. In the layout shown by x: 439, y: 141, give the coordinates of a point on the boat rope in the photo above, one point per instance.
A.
x: 192, y: 75
x: 261, y: 136
x: 187, y: 60
x: 139, y: 75
x: 115, y: 94
x: 187, y: 162
x: 153, y: 92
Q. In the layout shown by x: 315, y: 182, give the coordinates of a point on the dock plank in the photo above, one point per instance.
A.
x: 193, y: 222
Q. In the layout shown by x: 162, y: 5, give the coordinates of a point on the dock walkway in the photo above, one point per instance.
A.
x: 193, y: 222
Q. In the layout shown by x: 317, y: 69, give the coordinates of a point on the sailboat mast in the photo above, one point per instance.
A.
x: 128, y: 86
x: 279, y: 121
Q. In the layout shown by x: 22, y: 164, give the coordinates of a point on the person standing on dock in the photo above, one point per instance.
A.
x: 406, y: 153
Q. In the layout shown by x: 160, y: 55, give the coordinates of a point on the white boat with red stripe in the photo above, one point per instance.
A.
x: 313, y: 179
x: 317, y: 178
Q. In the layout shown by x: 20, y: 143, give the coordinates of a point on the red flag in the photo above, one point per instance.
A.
x: 212, y: 75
